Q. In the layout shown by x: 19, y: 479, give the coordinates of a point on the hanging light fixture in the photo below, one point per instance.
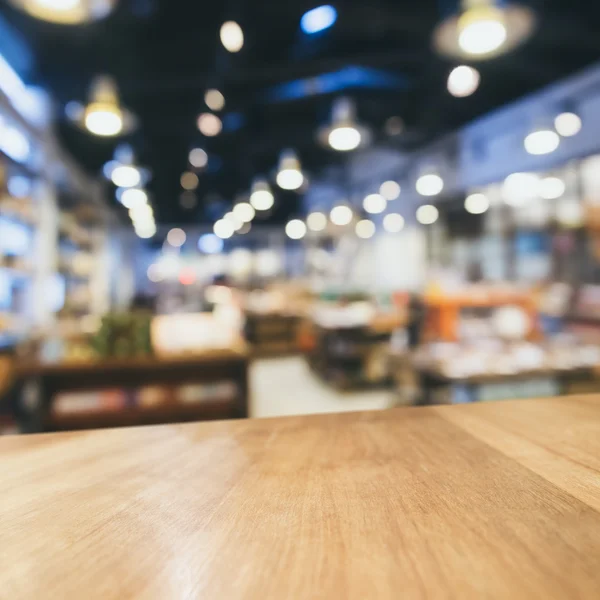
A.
x: 261, y: 197
x: 123, y: 171
x: 289, y: 175
x: 103, y: 115
x: 483, y: 29
x: 541, y: 140
x: 344, y: 134
x: 66, y: 12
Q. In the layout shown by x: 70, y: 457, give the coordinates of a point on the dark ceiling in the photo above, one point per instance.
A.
x: 164, y: 54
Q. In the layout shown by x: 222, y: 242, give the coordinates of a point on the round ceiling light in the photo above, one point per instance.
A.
x: 209, y: 125
x: 463, y: 81
x: 103, y: 120
x: 198, y: 158
x: 551, y: 188
x: 176, y: 237
x: 66, y: 12
x: 427, y: 214
x: 189, y: 181
x: 341, y: 215
x: 483, y: 29
x: 289, y: 175
x: 232, y: 36
x: 542, y: 141
x: 365, y: 229
x: 429, y: 184
x: 344, y: 139
x: 244, y: 212
x: 390, y: 190
x: 568, y: 123
x: 476, y: 204
x: 316, y: 221
x: 393, y: 223
x: 295, y: 229
x: 374, y: 204
x: 261, y: 197
x: 223, y: 229
x: 131, y: 197
x: 214, y: 99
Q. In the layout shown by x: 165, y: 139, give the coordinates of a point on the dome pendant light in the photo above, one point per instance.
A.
x: 103, y: 115
x: 344, y: 134
x: 66, y: 12
x: 261, y: 197
x: 123, y: 171
x: 483, y: 29
x: 289, y: 175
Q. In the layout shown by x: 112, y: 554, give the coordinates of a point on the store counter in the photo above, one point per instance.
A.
x: 495, y: 500
x: 212, y: 384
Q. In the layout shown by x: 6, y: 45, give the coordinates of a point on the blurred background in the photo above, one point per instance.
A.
x: 221, y: 210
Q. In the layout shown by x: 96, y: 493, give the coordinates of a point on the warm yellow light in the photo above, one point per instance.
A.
x: 365, y: 229
x: 189, y: 181
x: 66, y: 12
x: 341, y: 215
x: 295, y: 229
x: 316, y: 221
x: 214, y: 99
x: 232, y: 36
x: 209, y: 125
x: 103, y: 119
x: 481, y: 30
x: 344, y: 139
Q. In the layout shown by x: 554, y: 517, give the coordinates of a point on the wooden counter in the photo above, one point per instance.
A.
x: 498, y: 500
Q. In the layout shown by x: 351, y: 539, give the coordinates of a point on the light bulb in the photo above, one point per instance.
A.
x: 295, y: 229
x: 209, y: 125
x: 223, y: 229
x: 365, y: 229
x: 481, y: 30
x: 344, y: 139
x: 214, y: 99
x: 430, y: 184
x: 198, y: 158
x: 476, y: 204
x: 393, y: 222
x: 126, y: 176
x: 189, y: 181
x: 463, y: 81
x: 316, y: 221
x: 131, y: 197
x: 261, y: 197
x: 232, y: 36
x: 551, y: 188
x: 390, y: 190
x: 103, y: 120
x: 244, y: 212
x: 568, y: 124
x: 290, y: 179
x: 427, y: 214
x: 374, y: 204
x: 176, y: 237
x: 542, y: 141
x: 341, y: 215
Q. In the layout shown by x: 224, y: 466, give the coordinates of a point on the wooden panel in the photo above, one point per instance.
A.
x: 495, y: 500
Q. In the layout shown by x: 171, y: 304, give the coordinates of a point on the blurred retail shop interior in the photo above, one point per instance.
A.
x: 222, y: 210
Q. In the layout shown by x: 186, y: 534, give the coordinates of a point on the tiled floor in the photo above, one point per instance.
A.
x: 286, y: 386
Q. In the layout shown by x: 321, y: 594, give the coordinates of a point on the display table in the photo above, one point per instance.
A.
x: 496, y: 500
x: 135, y: 391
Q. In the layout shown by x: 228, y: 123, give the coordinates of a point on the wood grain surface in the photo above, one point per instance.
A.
x: 498, y: 500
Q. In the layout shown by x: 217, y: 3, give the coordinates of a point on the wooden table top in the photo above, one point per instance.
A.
x: 498, y: 500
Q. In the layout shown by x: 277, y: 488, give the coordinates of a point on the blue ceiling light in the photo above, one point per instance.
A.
x: 318, y: 19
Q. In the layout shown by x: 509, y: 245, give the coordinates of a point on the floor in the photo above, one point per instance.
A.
x: 286, y: 386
